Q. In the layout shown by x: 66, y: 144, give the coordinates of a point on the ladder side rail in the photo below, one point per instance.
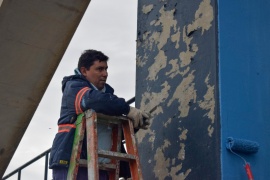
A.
x: 92, y: 144
x: 131, y: 147
x: 76, y: 149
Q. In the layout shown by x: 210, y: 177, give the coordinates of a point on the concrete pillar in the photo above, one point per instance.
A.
x: 177, y: 79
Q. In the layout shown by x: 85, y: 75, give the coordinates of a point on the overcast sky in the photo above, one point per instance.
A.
x: 108, y: 26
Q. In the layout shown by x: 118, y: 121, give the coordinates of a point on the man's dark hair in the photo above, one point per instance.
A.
x: 88, y: 58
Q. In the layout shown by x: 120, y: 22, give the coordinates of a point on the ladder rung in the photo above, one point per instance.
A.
x: 116, y: 155
x: 104, y: 119
x: 106, y: 167
x: 83, y: 163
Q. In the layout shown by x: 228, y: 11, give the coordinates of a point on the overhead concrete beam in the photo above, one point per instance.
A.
x: 34, y: 35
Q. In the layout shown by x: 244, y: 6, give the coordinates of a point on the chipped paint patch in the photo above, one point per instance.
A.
x: 176, y: 38
x: 184, y: 93
x: 181, y: 176
x: 162, y: 164
x: 151, y: 40
x: 191, y: 50
x: 160, y: 63
x: 141, y: 61
x: 203, y: 17
x: 151, y: 100
x: 168, y: 122
x: 182, y: 152
x: 175, y: 69
x: 210, y: 130
x: 208, y: 103
x: 166, y: 21
x: 183, y: 135
x: 147, y: 9
x: 148, y: 102
x: 163, y: 167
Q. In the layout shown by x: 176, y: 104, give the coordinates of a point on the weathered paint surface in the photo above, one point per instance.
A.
x: 34, y: 35
x: 176, y: 76
x: 245, y: 83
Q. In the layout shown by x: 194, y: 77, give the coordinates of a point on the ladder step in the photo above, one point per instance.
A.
x: 106, y: 167
x: 116, y: 155
x: 105, y: 119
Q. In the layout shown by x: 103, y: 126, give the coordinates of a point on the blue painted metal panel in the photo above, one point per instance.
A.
x: 245, y: 83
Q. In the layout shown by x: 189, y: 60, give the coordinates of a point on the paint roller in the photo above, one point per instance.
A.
x: 243, y: 146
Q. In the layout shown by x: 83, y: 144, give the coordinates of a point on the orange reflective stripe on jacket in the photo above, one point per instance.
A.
x: 79, y: 98
x: 65, y: 127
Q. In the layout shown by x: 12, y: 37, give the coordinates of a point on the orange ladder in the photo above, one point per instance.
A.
x: 88, y: 121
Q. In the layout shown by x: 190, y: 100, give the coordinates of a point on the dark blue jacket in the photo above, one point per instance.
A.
x: 78, y: 96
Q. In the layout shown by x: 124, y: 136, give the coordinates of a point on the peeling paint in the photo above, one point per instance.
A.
x: 190, y: 53
x: 181, y: 176
x: 163, y: 165
x: 160, y: 63
x: 183, y: 135
x: 175, y: 69
x: 141, y: 61
x: 166, y: 21
x: 203, y: 17
x: 184, y: 93
x: 182, y: 152
x: 176, y: 38
x: 147, y: 9
x: 208, y: 104
x: 167, y: 122
x: 151, y: 40
x: 210, y: 130
x: 151, y: 100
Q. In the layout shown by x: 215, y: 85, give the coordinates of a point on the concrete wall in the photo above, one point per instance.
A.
x: 245, y: 83
x: 177, y: 78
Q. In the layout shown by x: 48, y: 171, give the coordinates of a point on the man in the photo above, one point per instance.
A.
x: 87, y: 90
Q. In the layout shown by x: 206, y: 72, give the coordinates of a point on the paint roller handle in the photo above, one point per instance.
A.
x: 248, y: 171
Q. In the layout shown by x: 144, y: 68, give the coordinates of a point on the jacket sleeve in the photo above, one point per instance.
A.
x: 105, y: 103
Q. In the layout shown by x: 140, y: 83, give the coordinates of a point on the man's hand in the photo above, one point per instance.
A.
x: 139, y: 118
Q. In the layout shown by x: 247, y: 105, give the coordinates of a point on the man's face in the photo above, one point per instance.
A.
x: 97, y: 73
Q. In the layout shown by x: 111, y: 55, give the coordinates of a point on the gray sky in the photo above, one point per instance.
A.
x: 108, y: 26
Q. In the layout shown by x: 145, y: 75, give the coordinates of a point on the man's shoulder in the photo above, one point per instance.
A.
x: 109, y: 89
x: 74, y: 81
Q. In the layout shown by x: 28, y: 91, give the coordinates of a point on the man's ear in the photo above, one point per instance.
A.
x: 83, y: 71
